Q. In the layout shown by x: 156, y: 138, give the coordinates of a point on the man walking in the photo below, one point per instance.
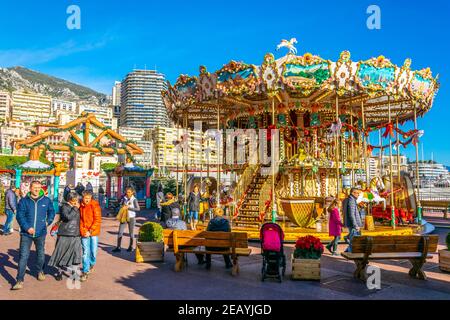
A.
x: 352, y: 216
x: 35, y: 213
x: 90, y: 222
x: 10, y: 210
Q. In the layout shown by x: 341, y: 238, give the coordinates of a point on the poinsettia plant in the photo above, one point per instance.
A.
x: 308, y: 247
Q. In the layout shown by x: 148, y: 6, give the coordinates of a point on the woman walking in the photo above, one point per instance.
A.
x: 68, y: 248
x: 335, y: 227
x: 159, y: 200
x: 130, y: 203
x: 194, y: 206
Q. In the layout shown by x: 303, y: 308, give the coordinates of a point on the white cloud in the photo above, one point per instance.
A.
x: 26, y: 57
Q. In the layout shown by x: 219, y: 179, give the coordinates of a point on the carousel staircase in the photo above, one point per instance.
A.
x: 249, y: 212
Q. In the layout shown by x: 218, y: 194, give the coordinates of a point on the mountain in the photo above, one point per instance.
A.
x: 16, y: 78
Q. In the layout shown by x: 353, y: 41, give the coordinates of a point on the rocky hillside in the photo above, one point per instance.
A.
x: 17, y: 78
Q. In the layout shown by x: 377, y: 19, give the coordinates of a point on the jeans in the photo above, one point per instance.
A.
x: 350, y: 236
x: 90, y: 246
x: 9, y: 221
x: 24, y: 254
x: 194, y: 215
x: 226, y: 258
x: 101, y: 200
x: 158, y: 214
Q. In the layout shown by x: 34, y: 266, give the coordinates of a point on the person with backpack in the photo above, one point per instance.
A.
x: 352, y: 217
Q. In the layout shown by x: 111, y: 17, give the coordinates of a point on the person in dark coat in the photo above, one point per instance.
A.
x: 89, y: 187
x: 67, y: 190
x: 168, y: 206
x: 80, y: 188
x: 68, y: 248
x: 194, y: 200
x: 10, y: 210
x: 352, y: 216
x: 218, y: 223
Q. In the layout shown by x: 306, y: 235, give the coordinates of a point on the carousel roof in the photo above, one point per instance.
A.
x: 306, y: 82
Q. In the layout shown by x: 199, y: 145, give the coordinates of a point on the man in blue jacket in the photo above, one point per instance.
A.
x: 34, y: 214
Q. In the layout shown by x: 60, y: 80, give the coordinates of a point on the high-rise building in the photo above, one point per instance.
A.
x: 31, y: 107
x: 116, y: 93
x: 5, y: 106
x: 141, y: 100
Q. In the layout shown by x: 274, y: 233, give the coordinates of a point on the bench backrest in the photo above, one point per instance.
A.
x: 189, y: 238
x: 392, y: 244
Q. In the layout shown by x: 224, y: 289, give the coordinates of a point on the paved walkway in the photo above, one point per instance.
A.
x: 117, y: 276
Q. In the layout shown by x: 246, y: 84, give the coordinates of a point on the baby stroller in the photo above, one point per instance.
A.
x: 272, y: 236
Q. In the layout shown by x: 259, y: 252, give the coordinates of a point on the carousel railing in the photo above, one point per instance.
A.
x: 244, y: 182
x: 265, y: 198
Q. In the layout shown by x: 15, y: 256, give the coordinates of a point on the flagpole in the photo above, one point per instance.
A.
x: 390, y: 168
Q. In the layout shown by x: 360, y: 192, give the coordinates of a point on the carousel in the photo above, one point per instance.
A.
x: 318, y: 116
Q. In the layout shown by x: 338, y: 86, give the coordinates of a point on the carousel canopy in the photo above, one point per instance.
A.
x: 306, y: 82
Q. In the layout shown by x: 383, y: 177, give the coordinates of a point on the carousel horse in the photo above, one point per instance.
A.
x: 376, y: 185
x: 288, y: 44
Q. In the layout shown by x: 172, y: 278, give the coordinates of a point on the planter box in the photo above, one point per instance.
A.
x: 305, y: 269
x: 149, y: 252
x: 444, y: 260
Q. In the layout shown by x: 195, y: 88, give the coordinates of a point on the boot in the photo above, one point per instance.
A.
x: 130, y: 248
x: 119, y: 241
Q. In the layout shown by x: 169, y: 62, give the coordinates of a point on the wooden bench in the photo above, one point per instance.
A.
x: 187, y: 241
x: 414, y: 248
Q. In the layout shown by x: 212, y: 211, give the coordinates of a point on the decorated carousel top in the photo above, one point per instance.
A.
x: 303, y: 82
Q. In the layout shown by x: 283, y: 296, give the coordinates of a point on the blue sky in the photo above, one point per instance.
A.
x: 179, y: 36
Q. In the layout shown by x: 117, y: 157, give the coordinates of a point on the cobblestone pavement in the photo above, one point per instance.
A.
x: 117, y: 276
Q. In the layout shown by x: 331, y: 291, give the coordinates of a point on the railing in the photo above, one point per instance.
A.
x: 265, y: 198
x: 244, y: 181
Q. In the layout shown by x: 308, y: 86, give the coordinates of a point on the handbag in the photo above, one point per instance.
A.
x: 122, y: 216
x: 54, y: 229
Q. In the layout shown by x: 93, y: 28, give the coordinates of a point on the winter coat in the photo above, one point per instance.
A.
x: 176, y: 224
x: 166, y: 208
x: 218, y: 224
x: 351, y: 213
x: 90, y: 218
x: 11, y: 200
x: 69, y: 221
x: 194, y: 202
x: 35, y: 213
x: 89, y: 187
x: 335, y: 225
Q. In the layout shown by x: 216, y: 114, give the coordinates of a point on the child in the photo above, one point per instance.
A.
x: 335, y: 227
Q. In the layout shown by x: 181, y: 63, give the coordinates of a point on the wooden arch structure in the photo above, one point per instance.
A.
x: 87, y: 123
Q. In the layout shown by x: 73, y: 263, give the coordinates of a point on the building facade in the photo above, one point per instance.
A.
x: 103, y: 114
x: 141, y: 100
x: 10, y: 132
x: 63, y: 106
x: 31, y: 107
x: 138, y: 135
x: 5, y: 106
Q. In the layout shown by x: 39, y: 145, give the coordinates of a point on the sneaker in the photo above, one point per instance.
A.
x: 84, y: 277
x: 7, y: 233
x: 130, y: 249
x: 116, y: 249
x: 11, y: 230
x: 59, y: 276
x: 329, y: 248
x: 18, y: 285
x: 91, y: 270
x: 41, y: 276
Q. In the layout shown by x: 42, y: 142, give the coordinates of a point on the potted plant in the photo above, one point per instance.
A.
x: 306, y: 258
x: 150, y: 244
x: 444, y: 256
